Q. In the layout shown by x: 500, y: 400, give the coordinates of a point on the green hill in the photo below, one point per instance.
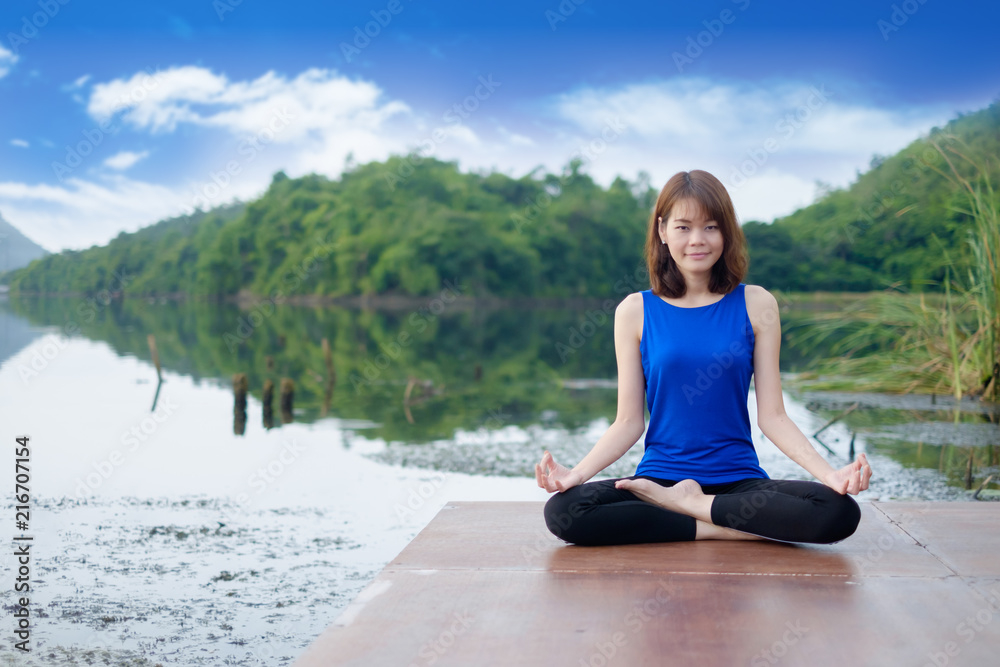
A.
x: 394, y: 227
x: 897, y: 223
x: 406, y: 225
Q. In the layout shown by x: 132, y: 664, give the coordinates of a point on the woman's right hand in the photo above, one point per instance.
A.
x: 553, y: 477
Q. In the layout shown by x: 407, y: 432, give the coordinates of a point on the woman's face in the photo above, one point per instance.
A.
x: 694, y: 240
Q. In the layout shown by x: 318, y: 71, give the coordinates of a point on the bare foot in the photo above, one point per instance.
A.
x: 684, y: 497
x: 709, y: 531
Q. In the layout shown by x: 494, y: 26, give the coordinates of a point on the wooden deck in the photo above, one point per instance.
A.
x: 486, y: 584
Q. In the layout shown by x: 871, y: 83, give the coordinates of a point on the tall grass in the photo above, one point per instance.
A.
x: 896, y: 342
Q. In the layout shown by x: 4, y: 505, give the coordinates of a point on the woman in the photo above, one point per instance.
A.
x: 689, y: 345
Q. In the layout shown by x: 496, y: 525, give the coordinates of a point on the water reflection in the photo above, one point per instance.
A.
x: 419, y: 378
x: 410, y: 378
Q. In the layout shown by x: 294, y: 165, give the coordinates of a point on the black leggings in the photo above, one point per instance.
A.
x: 596, y: 513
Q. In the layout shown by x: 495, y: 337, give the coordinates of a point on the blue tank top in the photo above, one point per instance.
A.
x: 698, y: 363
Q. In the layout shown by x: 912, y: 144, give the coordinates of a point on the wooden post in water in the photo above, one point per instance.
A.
x: 151, y: 339
x: 155, y: 354
x: 968, y: 470
x: 975, y: 496
x: 287, y: 399
x: 331, y: 375
x: 267, y: 401
x: 240, y: 387
x: 854, y: 406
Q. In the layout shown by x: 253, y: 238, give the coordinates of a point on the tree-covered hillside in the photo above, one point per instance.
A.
x: 407, y: 225
x: 402, y: 227
x: 898, y: 223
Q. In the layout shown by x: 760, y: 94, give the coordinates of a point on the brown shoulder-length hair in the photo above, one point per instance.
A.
x: 665, y: 279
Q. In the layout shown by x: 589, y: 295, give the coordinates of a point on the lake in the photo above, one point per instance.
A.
x: 173, y: 524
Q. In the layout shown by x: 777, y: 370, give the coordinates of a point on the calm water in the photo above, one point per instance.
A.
x: 197, y: 533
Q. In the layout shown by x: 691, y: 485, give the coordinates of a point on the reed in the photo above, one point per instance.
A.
x: 896, y: 342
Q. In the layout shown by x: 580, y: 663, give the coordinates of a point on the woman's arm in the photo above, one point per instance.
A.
x: 630, y: 421
x: 771, y: 417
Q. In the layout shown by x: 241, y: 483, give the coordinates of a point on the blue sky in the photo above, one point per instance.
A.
x: 118, y: 114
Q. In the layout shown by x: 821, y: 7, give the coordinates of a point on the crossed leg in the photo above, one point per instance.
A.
x: 633, y: 510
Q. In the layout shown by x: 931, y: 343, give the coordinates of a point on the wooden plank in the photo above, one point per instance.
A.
x: 514, y: 536
x: 464, y: 593
x: 964, y: 536
x: 504, y: 617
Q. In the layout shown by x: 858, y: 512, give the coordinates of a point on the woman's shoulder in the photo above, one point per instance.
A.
x: 760, y: 303
x: 631, y: 311
x: 632, y: 301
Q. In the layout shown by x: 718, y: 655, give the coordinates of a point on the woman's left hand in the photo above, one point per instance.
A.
x: 852, y: 478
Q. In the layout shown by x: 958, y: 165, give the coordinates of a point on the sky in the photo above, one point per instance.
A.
x: 118, y: 114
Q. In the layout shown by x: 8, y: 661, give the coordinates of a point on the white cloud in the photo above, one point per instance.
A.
x: 801, y: 116
x: 79, y: 83
x: 124, y: 159
x: 7, y: 59
x: 767, y: 143
x: 302, y: 124
x: 316, y: 100
x: 514, y: 138
x: 82, y: 213
x: 312, y: 121
x: 21, y: 143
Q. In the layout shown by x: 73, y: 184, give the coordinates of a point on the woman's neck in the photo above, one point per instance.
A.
x: 697, y: 286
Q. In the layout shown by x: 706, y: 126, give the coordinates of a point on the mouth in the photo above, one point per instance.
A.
x: 698, y: 255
